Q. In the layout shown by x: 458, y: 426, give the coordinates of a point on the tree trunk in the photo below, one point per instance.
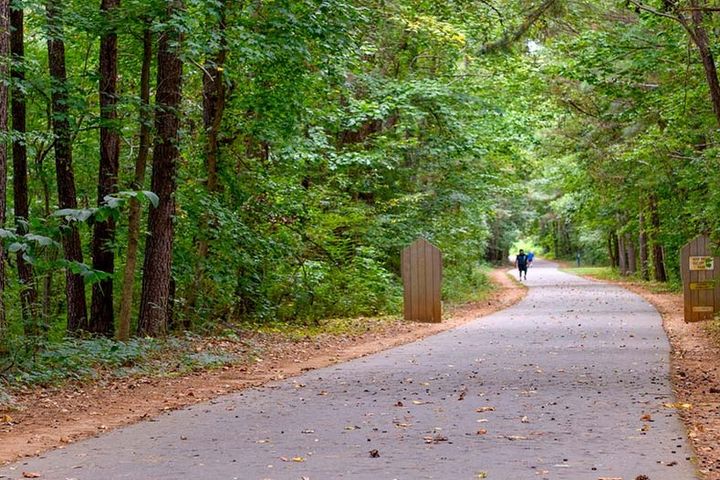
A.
x: 101, y: 309
x: 700, y: 37
x: 643, y: 241
x: 631, y: 256
x: 658, y: 257
x: 138, y: 183
x: 622, y: 255
x: 75, y: 287
x: 213, y: 110
x: 28, y: 291
x: 214, y: 102
x: 158, y: 249
x: 4, y: 70
x: 612, y: 250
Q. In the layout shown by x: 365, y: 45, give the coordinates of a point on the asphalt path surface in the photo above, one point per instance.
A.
x: 570, y: 384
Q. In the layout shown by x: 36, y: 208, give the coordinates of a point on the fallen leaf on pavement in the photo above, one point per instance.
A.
x: 31, y: 475
x: 435, y: 438
x: 678, y: 406
x: 374, y: 453
x: 485, y: 409
x: 298, y: 459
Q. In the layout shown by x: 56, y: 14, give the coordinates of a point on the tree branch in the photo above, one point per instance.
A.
x: 510, y: 37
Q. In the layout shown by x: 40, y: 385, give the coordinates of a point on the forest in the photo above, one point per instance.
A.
x: 171, y: 166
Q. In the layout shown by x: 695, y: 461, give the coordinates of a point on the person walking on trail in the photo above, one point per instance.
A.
x: 521, y: 262
x: 531, y: 257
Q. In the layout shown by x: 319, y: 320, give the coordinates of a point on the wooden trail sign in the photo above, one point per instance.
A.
x: 421, y: 265
x: 701, y: 279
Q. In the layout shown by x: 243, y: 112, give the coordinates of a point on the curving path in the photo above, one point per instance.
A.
x: 555, y: 387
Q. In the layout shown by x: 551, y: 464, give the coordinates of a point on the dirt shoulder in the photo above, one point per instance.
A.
x: 695, y: 373
x: 45, y: 419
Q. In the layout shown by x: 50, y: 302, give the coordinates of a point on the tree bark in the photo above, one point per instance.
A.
x: 213, y: 110
x: 643, y: 241
x: 214, y: 102
x: 75, y: 287
x: 101, y: 309
x: 4, y: 96
x: 631, y: 255
x: 622, y: 255
x: 154, y: 304
x: 137, y: 184
x: 28, y: 290
x: 700, y: 37
x: 612, y: 250
x: 658, y: 258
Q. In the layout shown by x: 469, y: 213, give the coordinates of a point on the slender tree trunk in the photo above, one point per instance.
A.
x: 101, y: 309
x: 158, y: 249
x: 631, y: 254
x: 658, y: 258
x: 75, y: 287
x: 700, y: 37
x: 28, y: 291
x: 128, y: 285
x: 622, y: 255
x: 612, y: 250
x: 213, y: 110
x: 643, y: 241
x: 4, y: 96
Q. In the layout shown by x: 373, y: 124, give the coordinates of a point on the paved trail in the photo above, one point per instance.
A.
x: 552, y: 388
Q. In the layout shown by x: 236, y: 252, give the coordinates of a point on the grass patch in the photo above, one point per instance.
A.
x: 82, y: 360
x: 467, y: 285
x: 601, y: 273
x: 610, y: 274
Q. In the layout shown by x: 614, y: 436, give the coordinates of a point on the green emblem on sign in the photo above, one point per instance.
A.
x: 702, y: 263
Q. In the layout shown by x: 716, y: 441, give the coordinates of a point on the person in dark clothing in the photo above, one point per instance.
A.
x: 521, y: 262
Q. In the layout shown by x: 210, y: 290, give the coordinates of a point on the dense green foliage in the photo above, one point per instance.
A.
x: 348, y: 129
x: 636, y: 136
x: 341, y: 130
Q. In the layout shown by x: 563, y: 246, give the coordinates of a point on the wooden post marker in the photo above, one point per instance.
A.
x: 421, y: 265
x: 700, y: 274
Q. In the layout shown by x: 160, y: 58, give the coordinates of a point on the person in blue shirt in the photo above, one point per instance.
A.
x: 521, y: 262
x: 530, y: 256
